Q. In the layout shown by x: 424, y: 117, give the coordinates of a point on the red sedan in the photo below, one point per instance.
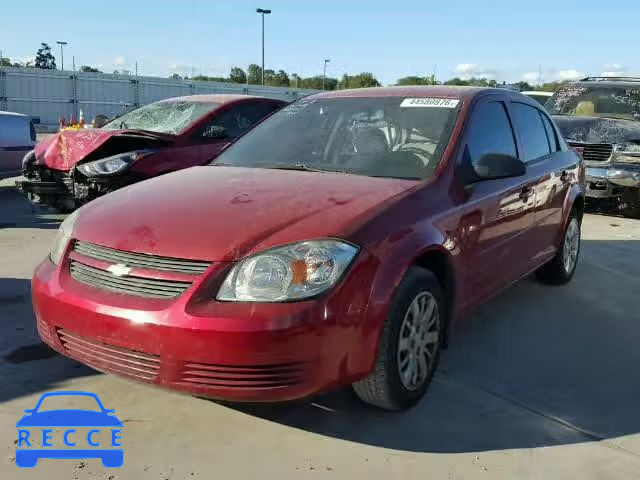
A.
x: 336, y: 243
x: 74, y: 167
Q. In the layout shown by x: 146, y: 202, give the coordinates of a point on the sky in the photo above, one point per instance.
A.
x: 498, y: 39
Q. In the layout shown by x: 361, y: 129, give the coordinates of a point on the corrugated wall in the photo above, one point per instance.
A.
x: 46, y: 95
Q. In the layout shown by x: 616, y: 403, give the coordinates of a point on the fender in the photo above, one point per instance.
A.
x: 395, y: 261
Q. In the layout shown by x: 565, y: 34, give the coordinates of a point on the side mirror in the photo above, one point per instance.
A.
x: 215, y: 132
x: 498, y: 165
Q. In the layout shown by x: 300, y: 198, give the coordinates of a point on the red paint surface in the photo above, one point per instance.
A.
x: 487, y: 235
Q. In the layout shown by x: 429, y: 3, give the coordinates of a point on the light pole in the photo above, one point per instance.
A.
x: 324, y: 71
x: 62, y: 44
x: 263, y: 12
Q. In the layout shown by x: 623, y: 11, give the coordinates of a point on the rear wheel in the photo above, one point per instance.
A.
x: 560, y: 269
x: 410, y: 344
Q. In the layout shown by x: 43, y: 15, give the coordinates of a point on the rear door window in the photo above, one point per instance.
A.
x: 532, y: 131
x: 490, y: 132
x: 551, y: 133
x: 237, y: 119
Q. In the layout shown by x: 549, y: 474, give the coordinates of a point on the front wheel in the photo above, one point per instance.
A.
x: 409, y: 346
x: 560, y: 269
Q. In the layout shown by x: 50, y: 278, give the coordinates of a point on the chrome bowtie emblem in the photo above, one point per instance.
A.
x: 119, y: 270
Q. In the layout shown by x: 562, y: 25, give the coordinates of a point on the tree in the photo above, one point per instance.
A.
x: 363, y: 80
x: 44, y: 58
x: 552, y: 86
x: 175, y: 76
x: 269, y: 77
x: 295, y: 80
x: 316, y: 83
x: 282, y: 79
x: 415, y: 80
x: 254, y: 74
x: 87, y: 68
x: 524, y: 86
x: 237, y: 75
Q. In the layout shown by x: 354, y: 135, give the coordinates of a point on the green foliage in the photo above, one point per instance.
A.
x: 237, y: 75
x: 415, y: 80
x: 44, y: 58
x: 254, y: 74
x: 204, y: 78
x: 524, y: 86
x: 552, y: 86
x: 90, y: 69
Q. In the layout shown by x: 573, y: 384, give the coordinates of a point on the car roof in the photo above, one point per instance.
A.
x: 537, y: 92
x: 12, y: 114
x: 216, y: 98
x: 418, y: 91
x: 608, y: 82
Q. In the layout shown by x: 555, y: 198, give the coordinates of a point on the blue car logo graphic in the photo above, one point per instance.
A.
x: 39, y: 425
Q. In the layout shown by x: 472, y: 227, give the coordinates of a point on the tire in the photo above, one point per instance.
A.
x: 560, y: 269
x: 631, y: 204
x: 408, y: 352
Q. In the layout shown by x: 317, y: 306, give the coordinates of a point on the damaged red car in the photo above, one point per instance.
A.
x: 338, y: 242
x: 76, y: 166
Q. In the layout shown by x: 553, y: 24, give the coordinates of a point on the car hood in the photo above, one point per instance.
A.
x: 69, y: 418
x: 68, y: 147
x: 597, y: 129
x: 222, y: 213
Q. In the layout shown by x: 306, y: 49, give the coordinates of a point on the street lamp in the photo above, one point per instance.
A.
x: 263, y: 12
x: 324, y: 71
x: 62, y: 44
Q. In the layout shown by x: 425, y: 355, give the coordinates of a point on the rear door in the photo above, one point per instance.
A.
x: 17, y: 137
x: 499, y: 213
x: 548, y: 166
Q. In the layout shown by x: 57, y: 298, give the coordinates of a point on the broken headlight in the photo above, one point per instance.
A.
x: 63, y: 235
x: 112, y: 165
x: 627, y: 152
x: 291, y: 272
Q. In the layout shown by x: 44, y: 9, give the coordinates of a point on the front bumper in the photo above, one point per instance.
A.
x: 612, y: 181
x: 249, y: 352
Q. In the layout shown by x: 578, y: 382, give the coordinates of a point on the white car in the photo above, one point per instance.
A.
x: 17, y: 137
x: 541, y: 97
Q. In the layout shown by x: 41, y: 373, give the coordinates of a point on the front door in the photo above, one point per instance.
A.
x: 499, y: 213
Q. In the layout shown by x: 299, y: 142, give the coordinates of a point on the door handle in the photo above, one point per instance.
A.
x: 526, y: 193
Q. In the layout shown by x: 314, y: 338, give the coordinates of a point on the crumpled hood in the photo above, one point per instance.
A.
x: 597, y: 129
x: 67, y: 147
x: 224, y: 213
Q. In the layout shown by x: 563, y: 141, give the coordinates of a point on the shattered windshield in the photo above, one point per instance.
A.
x: 596, y: 101
x: 393, y: 137
x: 163, y: 117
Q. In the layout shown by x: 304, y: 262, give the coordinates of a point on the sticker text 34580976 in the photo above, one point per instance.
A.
x: 430, y: 102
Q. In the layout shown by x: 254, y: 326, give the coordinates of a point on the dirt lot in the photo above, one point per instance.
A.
x: 541, y: 383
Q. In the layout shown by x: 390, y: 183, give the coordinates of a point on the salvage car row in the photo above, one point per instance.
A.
x: 337, y: 242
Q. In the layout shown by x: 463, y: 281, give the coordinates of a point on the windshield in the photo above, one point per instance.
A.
x: 596, y: 101
x: 163, y: 117
x: 381, y: 137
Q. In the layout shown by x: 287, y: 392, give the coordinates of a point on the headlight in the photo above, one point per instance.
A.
x: 62, y: 238
x: 627, y: 152
x: 112, y: 165
x: 292, y: 272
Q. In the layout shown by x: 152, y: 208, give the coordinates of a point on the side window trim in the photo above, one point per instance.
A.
x: 547, y: 121
x: 522, y: 152
x: 485, y: 100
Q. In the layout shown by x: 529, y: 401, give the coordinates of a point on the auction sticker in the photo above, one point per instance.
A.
x: 430, y: 102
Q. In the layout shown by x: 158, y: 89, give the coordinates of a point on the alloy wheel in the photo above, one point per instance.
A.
x: 571, y: 246
x: 419, y: 341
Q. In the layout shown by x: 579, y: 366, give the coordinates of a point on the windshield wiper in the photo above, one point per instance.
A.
x: 298, y: 166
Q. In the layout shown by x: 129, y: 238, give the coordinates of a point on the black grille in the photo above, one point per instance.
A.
x: 143, y: 287
x: 594, y: 152
x: 153, y: 262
